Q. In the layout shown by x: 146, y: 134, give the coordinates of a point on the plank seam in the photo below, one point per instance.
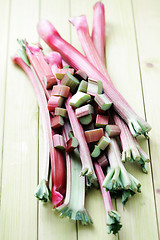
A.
x: 5, y: 88
x: 143, y: 99
x: 38, y: 159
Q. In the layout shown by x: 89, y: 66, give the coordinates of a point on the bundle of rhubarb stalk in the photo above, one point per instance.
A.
x: 89, y: 128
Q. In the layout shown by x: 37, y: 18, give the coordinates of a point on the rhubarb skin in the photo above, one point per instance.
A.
x: 112, y: 217
x: 42, y: 190
x: 75, y: 59
x: 98, y: 29
x: 58, y: 178
x: 87, y: 166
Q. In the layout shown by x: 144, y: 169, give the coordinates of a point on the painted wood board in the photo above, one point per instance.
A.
x: 132, y: 61
x: 20, y: 151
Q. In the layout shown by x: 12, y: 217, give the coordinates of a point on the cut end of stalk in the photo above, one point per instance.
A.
x: 79, y: 22
x: 136, y: 154
x: 138, y: 127
x: 81, y: 215
x: 57, y: 198
x: 115, y: 183
x: 90, y: 174
x: 113, y: 222
x: 42, y: 192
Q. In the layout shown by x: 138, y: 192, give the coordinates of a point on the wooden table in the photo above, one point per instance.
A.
x: 133, y: 61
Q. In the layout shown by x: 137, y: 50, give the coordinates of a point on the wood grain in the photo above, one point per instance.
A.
x: 123, y: 66
x: 20, y: 151
x: 147, y: 27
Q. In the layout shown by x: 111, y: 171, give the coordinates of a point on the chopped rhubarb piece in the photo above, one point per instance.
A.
x: 84, y: 110
x: 54, y: 102
x: 89, y: 127
x: 86, y: 119
x: 103, y: 101
x: 60, y: 112
x: 79, y: 99
x: 58, y: 142
x: 70, y: 81
x: 101, y: 120
x: 113, y: 130
x: 81, y: 75
x: 72, y: 143
x: 103, y: 143
x: 60, y: 72
x: 98, y: 110
x: 83, y: 86
x: 94, y: 87
x: 57, y: 122
x: 96, y: 152
x: 66, y: 66
x: 60, y: 90
x: 102, y: 160
x: 50, y: 81
x: 94, y: 135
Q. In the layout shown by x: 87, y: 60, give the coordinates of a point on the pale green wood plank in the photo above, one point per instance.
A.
x: 147, y: 24
x: 4, y: 20
x: 50, y: 225
x: 138, y: 218
x: 18, y: 205
x: 94, y: 202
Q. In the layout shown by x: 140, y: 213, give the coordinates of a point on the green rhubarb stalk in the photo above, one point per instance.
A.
x: 118, y: 181
x: 112, y: 217
x: 73, y: 206
x: 132, y: 152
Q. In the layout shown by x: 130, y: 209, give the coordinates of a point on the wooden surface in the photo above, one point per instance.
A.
x: 133, y: 61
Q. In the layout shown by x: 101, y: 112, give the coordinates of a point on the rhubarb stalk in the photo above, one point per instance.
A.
x: 73, y: 206
x: 42, y: 191
x: 131, y: 149
x: 98, y: 30
x: 87, y: 165
x: 136, y: 124
x: 75, y: 59
x: 112, y: 217
x: 118, y: 181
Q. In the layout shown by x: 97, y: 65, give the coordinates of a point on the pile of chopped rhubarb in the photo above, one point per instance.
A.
x: 89, y: 128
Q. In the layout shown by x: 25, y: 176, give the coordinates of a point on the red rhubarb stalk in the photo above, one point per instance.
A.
x: 74, y: 203
x: 112, y: 217
x: 75, y: 59
x: 87, y: 166
x: 98, y: 30
x: 131, y: 151
x: 42, y: 191
x: 37, y: 68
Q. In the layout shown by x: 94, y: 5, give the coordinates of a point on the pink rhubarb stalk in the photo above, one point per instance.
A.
x: 112, y: 217
x: 74, y: 203
x: 33, y: 58
x: 42, y: 191
x: 98, y: 30
x: 130, y: 150
x: 75, y: 59
x: 87, y: 165
x: 118, y: 181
